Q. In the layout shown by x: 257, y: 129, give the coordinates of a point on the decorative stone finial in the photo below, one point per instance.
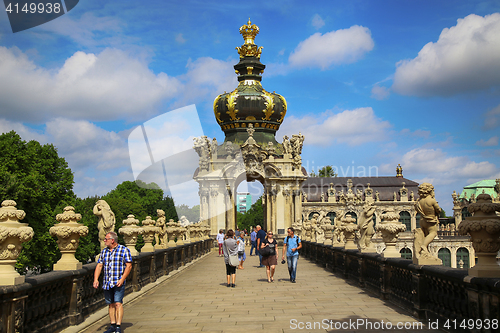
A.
x: 12, y: 235
x: 484, y: 229
x: 68, y: 232
x: 390, y: 228
x: 149, y: 234
x: 399, y: 171
x: 130, y: 231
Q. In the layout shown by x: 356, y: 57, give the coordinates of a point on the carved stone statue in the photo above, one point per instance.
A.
x: 314, y: 226
x: 366, y: 228
x: 160, y: 236
x: 184, y: 221
x: 429, y: 210
x: 106, y: 220
x: 338, y: 235
x: 287, y: 147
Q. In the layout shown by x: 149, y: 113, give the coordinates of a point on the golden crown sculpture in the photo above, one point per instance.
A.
x: 249, y: 49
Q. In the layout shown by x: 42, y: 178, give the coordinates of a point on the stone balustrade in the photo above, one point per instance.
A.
x: 52, y: 301
x: 432, y: 293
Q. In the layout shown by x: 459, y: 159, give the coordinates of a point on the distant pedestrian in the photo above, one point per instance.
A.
x: 237, y: 232
x: 220, y: 241
x: 241, y: 251
x: 253, y: 241
x: 271, y: 260
x: 261, y: 235
x: 291, y: 245
x: 230, y: 248
x: 117, y: 263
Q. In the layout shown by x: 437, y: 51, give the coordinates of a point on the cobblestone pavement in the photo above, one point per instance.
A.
x: 197, y: 300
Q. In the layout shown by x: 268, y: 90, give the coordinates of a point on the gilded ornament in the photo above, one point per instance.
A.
x: 282, y: 113
x: 249, y: 70
x: 231, y: 105
x: 217, y: 114
x: 269, y: 102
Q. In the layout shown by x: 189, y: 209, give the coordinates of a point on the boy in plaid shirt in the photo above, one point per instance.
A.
x: 117, y: 263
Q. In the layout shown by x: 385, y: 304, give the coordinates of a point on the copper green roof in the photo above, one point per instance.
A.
x: 487, y: 186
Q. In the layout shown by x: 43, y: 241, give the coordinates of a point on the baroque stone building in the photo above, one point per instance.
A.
x: 250, y: 116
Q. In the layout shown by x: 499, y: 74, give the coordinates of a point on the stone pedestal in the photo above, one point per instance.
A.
x: 130, y: 231
x: 12, y: 235
x: 328, y: 228
x: 348, y: 228
x: 68, y: 232
x: 484, y: 229
x: 148, y: 225
x: 390, y: 229
x: 172, y: 231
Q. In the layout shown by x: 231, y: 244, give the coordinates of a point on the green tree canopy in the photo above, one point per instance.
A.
x: 254, y: 216
x: 41, y: 183
x: 326, y: 171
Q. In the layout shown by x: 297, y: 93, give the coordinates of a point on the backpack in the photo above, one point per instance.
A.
x: 286, y: 240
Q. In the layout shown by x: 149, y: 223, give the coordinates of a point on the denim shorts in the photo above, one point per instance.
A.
x: 114, y: 295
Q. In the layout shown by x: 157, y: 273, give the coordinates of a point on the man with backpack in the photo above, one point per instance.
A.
x: 291, y: 245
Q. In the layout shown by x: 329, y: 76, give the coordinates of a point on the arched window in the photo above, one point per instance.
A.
x: 353, y: 215
x: 465, y: 213
x: 406, y: 253
x: 332, y: 216
x: 311, y: 215
x: 463, y: 254
x: 445, y: 256
x: 405, y: 218
x: 417, y: 217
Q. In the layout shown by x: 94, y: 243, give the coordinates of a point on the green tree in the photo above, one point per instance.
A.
x: 192, y: 214
x: 254, y: 216
x: 41, y: 183
x: 326, y: 171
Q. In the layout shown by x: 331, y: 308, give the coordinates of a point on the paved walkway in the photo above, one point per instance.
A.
x: 197, y: 300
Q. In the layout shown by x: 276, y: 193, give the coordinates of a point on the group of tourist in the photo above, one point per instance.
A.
x: 232, y: 247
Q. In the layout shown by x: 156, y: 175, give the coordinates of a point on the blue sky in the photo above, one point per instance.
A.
x: 369, y: 83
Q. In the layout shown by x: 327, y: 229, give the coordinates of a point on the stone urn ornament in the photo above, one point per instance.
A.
x: 68, y: 232
x: 130, y: 232
x: 172, y: 232
x: 148, y: 225
x: 12, y: 235
x: 484, y: 228
x: 390, y: 227
x: 349, y: 228
x: 327, y: 226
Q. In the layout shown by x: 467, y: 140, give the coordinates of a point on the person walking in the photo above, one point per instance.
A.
x: 230, y: 247
x: 241, y: 251
x: 271, y: 260
x: 220, y: 241
x: 291, y: 245
x: 117, y: 263
x: 253, y: 242
x: 261, y: 236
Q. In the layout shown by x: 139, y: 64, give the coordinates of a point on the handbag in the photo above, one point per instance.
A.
x: 233, y: 260
x: 266, y: 251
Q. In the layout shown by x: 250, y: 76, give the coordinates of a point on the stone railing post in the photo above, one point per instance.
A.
x: 12, y: 235
x: 68, y: 232
x: 148, y: 225
x: 75, y: 302
x: 130, y: 231
x: 390, y: 228
x: 484, y: 228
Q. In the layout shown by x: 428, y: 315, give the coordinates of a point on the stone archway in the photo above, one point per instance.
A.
x: 219, y: 177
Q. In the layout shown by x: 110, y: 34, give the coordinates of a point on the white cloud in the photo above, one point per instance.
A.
x: 492, y: 118
x: 343, y: 46
x: 353, y: 127
x: 465, y: 58
x: 379, y: 92
x: 491, y: 142
x: 180, y: 39
x: 107, y: 86
x: 317, y: 21
x: 444, y: 169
